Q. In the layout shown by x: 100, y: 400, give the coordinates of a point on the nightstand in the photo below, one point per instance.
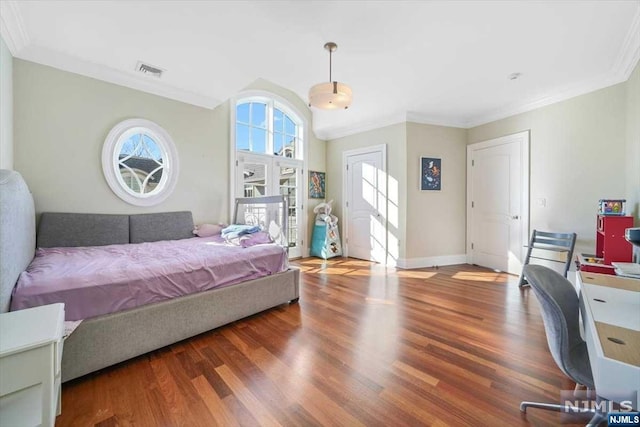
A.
x: 30, y: 356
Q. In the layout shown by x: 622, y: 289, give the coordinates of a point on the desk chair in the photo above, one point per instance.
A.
x: 546, y: 244
x: 560, y: 312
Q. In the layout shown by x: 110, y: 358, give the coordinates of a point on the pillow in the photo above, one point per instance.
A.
x: 206, y: 230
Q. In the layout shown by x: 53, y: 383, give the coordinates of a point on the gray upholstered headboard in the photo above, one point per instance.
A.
x: 17, y: 232
x: 60, y: 229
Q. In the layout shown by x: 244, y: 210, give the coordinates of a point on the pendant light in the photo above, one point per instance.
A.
x: 330, y: 95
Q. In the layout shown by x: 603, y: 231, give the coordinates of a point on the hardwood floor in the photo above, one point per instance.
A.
x: 366, y: 345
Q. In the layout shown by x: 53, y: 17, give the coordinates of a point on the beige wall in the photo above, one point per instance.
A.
x: 633, y: 144
x: 6, y: 107
x: 633, y: 148
x: 62, y: 119
x: 436, y: 220
x: 394, y: 137
x: 578, y: 156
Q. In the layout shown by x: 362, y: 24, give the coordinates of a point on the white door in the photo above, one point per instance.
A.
x: 260, y: 175
x: 365, y: 205
x: 498, y: 210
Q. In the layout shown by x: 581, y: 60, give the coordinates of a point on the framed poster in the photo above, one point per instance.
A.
x: 430, y: 174
x: 316, y: 185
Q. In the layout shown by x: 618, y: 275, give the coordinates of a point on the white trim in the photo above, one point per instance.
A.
x: 12, y: 27
x: 629, y: 54
x: 432, y: 261
x: 329, y: 134
x: 382, y: 149
x: 110, y: 169
x: 524, y: 138
x: 130, y: 79
x: 426, y: 119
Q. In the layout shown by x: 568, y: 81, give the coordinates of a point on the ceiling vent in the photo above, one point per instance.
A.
x: 150, y: 70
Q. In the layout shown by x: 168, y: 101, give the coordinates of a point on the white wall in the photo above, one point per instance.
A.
x: 578, y: 156
x: 436, y: 220
x: 6, y: 107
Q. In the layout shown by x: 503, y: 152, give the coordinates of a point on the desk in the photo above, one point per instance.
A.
x: 611, y: 320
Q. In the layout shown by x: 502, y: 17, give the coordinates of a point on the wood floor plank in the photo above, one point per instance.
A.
x: 365, y: 345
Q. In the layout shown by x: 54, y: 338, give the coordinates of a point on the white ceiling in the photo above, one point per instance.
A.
x: 435, y: 62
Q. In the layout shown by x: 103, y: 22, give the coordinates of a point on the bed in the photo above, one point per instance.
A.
x: 122, y: 330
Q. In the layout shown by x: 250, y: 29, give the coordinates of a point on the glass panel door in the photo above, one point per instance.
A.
x: 254, y: 179
x: 289, y: 186
x: 258, y: 175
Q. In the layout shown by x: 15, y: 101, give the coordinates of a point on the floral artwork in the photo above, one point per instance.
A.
x: 430, y: 173
x: 316, y: 185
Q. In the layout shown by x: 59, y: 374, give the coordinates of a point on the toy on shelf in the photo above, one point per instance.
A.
x: 611, y: 207
x: 325, y: 242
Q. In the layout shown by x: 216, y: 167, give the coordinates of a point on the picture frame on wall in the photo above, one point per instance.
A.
x: 430, y: 174
x: 316, y: 185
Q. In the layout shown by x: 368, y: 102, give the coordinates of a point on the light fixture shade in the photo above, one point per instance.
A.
x: 330, y: 96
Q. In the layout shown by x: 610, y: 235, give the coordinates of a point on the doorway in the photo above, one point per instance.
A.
x: 498, y: 202
x: 365, y: 203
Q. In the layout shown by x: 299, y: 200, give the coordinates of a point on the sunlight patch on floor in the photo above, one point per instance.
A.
x: 416, y: 274
x: 477, y: 276
x: 335, y: 270
x: 371, y: 300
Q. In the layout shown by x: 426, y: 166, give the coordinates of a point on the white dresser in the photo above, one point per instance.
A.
x: 30, y: 356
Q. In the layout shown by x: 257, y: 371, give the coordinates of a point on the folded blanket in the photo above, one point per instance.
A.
x: 236, y: 230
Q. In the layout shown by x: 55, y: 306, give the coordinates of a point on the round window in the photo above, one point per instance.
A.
x: 140, y: 162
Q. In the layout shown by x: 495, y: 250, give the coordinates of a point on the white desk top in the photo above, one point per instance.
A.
x: 613, y: 306
x: 610, y: 303
x: 24, y: 329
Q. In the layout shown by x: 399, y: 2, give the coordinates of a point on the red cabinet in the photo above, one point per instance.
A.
x: 610, y: 242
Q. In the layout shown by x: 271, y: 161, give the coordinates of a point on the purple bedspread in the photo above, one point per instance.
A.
x: 97, y: 280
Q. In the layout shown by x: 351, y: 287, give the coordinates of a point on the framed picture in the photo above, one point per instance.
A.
x: 430, y: 174
x: 316, y: 185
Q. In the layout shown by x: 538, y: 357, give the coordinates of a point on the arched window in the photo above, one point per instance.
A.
x: 269, y: 157
x: 263, y: 126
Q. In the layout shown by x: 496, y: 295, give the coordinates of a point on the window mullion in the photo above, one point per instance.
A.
x: 249, y: 127
x: 270, y: 128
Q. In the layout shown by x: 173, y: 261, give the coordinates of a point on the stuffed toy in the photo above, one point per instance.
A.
x: 207, y: 230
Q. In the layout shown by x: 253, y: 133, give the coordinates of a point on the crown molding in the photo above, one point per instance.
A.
x: 629, y: 54
x: 65, y: 62
x: 335, y: 133
x: 425, y: 119
x: 627, y: 59
x: 569, y: 92
x: 12, y: 27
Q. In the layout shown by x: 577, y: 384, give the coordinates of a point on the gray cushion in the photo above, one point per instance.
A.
x: 17, y: 232
x: 160, y: 226
x: 76, y: 229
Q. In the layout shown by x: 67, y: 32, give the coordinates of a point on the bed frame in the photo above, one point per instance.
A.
x: 112, y: 338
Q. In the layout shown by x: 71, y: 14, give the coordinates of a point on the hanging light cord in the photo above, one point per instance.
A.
x: 330, y: 53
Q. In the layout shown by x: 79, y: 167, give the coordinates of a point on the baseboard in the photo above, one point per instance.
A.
x: 433, y: 261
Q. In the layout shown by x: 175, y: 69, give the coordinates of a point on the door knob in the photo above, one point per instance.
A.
x: 515, y: 217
